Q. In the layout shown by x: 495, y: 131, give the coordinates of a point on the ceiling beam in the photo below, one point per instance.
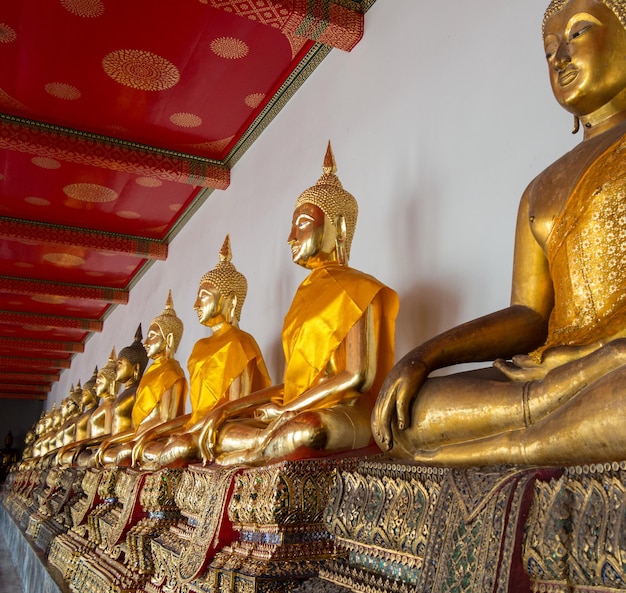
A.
x: 26, y: 345
x: 21, y: 319
x: 7, y: 377
x: 38, y: 396
x: 14, y: 362
x: 22, y: 135
x: 101, y: 294
x: 109, y: 243
x: 338, y: 23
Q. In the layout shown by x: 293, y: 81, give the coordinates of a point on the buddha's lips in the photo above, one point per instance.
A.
x: 568, y: 76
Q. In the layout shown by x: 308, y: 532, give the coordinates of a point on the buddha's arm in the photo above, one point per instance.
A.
x: 519, y: 328
x: 168, y: 428
x: 243, y: 407
x: 351, y: 370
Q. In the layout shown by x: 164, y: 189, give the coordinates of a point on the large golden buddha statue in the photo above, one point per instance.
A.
x: 87, y: 402
x: 223, y: 367
x: 160, y: 394
x: 563, y: 402
x: 338, y: 344
x: 100, y: 417
x: 130, y: 365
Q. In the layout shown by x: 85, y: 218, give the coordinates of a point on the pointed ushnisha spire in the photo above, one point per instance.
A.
x: 225, y: 252
x: 330, y: 166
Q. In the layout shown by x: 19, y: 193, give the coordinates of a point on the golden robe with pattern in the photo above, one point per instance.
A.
x: 587, y: 255
x: 216, y: 361
x: 326, y: 306
x: 160, y: 376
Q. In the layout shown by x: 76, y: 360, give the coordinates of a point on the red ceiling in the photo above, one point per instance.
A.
x: 115, y: 118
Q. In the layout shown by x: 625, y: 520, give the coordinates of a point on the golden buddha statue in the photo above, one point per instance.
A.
x: 86, y: 405
x: 160, y: 394
x: 561, y: 403
x: 99, y: 418
x: 70, y: 409
x: 338, y: 345
x: 222, y: 367
x: 116, y: 417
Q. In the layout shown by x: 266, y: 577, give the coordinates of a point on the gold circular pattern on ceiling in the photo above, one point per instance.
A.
x: 90, y: 192
x: 87, y: 8
x: 175, y: 207
x: 128, y: 214
x: 7, y: 34
x: 229, y: 48
x: 60, y: 90
x: 65, y: 260
x: 141, y: 70
x: 254, y: 100
x: 186, y: 120
x: 45, y: 162
x: 23, y: 264
x: 1, y: 176
x: 148, y: 182
x: 35, y: 201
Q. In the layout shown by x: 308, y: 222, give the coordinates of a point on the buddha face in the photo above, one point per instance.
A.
x: 585, y: 46
x: 208, y: 304
x: 124, y: 370
x: 155, y: 342
x: 103, y: 384
x: 311, y: 239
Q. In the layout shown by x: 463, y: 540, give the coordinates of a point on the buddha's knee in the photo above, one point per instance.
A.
x: 307, y: 429
x: 616, y: 350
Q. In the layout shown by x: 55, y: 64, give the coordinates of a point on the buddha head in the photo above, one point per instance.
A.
x: 324, y: 220
x: 131, y: 361
x: 106, y: 385
x: 222, y: 291
x: 72, y: 404
x: 88, y: 395
x: 164, y: 333
x: 585, y: 44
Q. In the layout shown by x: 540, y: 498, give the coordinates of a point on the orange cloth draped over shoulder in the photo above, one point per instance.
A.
x: 160, y: 376
x: 216, y: 361
x: 326, y: 306
x: 587, y: 255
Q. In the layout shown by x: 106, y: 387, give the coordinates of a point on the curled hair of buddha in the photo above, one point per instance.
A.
x: 330, y: 197
x: 90, y: 385
x: 108, y: 370
x: 225, y: 277
x: 135, y: 353
x: 169, y: 323
x: 617, y: 6
x: 76, y: 394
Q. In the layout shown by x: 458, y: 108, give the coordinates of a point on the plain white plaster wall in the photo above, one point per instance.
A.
x: 439, y: 118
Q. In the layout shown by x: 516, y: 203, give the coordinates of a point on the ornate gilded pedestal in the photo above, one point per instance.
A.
x: 403, y: 527
x: 53, y: 517
x: 576, y: 534
x: 182, y: 552
x: 98, y: 492
x: 278, y: 510
x: 122, y: 560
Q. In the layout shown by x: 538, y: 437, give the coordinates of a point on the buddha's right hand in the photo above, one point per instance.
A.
x: 395, y: 398
x: 207, y: 440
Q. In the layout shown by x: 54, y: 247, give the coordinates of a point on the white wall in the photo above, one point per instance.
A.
x: 438, y: 118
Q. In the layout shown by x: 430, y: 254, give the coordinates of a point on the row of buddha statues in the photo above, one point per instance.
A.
x: 131, y: 412
x: 553, y: 395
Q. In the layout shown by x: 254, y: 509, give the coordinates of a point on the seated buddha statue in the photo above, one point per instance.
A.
x: 223, y: 367
x: 555, y: 393
x: 338, y: 345
x: 160, y: 394
x: 100, y: 419
x: 129, y: 367
x: 86, y: 406
x: 70, y: 409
